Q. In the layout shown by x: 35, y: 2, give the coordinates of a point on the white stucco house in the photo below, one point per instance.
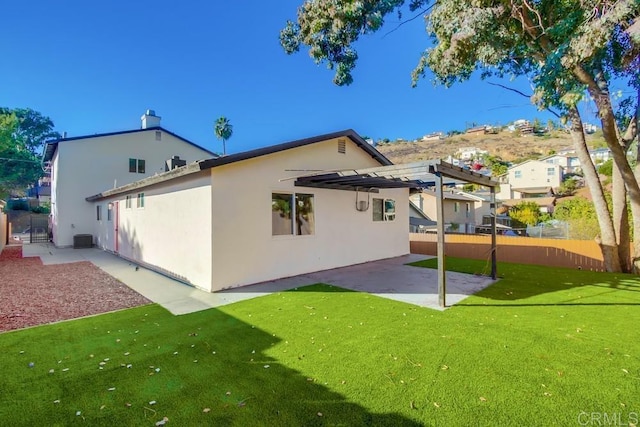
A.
x: 533, y: 178
x: 85, y: 165
x: 569, y: 161
x: 461, y: 210
x: 250, y: 217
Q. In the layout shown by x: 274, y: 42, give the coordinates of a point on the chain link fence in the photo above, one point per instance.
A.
x: 549, y: 230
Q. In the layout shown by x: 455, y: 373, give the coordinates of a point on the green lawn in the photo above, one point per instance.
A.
x: 540, y: 347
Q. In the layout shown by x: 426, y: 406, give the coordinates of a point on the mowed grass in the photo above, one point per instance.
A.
x: 540, y: 347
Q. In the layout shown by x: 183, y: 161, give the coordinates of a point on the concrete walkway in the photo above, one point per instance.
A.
x: 389, y: 278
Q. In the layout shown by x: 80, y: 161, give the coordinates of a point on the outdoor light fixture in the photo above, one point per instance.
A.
x: 362, y: 205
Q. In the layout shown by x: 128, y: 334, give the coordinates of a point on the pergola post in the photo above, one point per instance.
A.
x: 442, y: 281
x: 493, y: 211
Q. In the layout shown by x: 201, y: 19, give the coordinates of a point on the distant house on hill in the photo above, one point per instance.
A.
x: 470, y: 153
x: 569, y: 161
x: 533, y: 178
x: 476, y: 130
x: 521, y: 125
x: 433, y: 136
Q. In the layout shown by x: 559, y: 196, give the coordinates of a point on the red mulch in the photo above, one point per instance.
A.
x: 34, y: 294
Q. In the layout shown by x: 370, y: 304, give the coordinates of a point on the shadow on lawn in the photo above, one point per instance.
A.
x: 562, y: 286
x: 233, y: 376
x: 565, y: 287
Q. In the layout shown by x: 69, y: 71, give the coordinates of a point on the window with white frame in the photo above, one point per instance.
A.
x: 518, y: 174
x: 468, y: 212
x: 140, y: 203
x: 137, y: 166
x: 109, y: 211
x: 98, y: 212
x: 128, y: 202
x: 292, y: 214
x: 384, y: 209
x: 456, y: 207
x: 551, y: 171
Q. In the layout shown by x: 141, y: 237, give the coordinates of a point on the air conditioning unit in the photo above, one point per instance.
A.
x: 81, y: 241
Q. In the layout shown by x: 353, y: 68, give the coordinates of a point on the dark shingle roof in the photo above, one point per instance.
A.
x: 51, y: 146
x: 224, y: 160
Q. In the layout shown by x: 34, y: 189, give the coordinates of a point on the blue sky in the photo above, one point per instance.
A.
x: 95, y: 67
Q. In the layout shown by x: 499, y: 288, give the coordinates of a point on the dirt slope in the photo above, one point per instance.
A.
x: 504, y: 144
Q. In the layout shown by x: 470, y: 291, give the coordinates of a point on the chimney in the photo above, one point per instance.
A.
x: 150, y: 120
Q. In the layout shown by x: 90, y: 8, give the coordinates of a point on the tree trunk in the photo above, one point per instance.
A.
x: 634, y: 211
x: 598, y: 88
x: 608, y: 243
x: 621, y: 220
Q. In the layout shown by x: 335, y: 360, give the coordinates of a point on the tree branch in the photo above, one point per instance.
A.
x: 523, y: 94
x: 419, y: 14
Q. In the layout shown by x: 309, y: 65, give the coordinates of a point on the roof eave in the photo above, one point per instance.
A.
x: 189, y: 169
x: 349, y: 133
x: 47, y: 157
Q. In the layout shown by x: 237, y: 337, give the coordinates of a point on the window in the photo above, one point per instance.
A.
x: 468, y: 210
x: 140, y: 200
x: 518, y: 174
x: 384, y: 209
x: 158, y: 135
x: 456, y: 207
x: 99, y: 213
x: 377, y: 210
x: 389, y: 210
x: 551, y: 171
x: 128, y: 202
x: 109, y: 211
x: 292, y: 214
x: 136, y: 165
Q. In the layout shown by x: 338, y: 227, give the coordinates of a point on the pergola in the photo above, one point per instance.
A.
x: 416, y: 176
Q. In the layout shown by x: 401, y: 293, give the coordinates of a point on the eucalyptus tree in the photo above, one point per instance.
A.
x: 565, y: 47
x: 23, y: 133
x: 223, y: 130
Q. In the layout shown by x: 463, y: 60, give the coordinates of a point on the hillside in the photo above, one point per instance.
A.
x: 504, y: 145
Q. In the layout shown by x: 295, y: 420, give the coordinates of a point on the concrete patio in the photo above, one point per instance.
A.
x: 389, y: 278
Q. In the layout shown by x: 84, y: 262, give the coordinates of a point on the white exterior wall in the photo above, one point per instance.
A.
x: 88, y: 166
x: 461, y: 217
x: 244, y: 249
x: 55, y: 197
x: 171, y: 234
x: 534, y: 174
x: 482, y: 208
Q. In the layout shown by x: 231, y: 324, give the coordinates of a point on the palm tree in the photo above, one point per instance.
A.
x: 223, y: 130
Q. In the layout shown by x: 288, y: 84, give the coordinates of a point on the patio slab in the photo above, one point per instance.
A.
x: 388, y: 278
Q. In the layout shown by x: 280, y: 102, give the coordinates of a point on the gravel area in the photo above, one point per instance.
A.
x: 34, y: 294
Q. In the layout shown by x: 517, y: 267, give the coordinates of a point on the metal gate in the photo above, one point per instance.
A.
x: 39, y: 229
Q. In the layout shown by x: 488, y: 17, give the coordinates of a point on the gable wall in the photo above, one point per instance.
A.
x: 244, y: 249
x: 534, y: 174
x: 89, y: 166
